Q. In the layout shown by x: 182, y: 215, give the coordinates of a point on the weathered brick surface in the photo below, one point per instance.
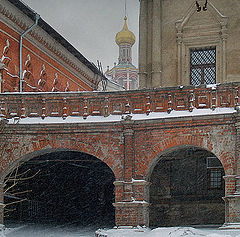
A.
x: 151, y: 142
x: 131, y: 148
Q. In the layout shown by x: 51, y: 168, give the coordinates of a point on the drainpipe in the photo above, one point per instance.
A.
x: 20, y: 51
x: 1, y: 72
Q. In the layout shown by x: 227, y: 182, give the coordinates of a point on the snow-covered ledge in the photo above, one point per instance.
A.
x: 229, y: 226
x: 118, y: 118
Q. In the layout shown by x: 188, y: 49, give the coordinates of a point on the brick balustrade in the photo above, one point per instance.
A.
x: 117, y: 103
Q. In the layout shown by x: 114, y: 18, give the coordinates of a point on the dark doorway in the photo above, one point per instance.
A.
x: 61, y: 187
x: 187, y: 187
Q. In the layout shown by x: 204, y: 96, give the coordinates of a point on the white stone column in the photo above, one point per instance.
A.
x: 224, y: 36
x: 149, y: 43
x: 157, y: 44
x: 143, y: 32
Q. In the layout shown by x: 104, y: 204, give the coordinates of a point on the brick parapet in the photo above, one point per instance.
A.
x: 118, y: 103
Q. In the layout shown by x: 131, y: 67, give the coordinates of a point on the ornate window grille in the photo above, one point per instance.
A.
x: 215, y: 178
x: 203, y: 66
x: 215, y: 173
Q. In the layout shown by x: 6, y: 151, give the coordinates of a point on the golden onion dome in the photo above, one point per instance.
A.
x: 125, y: 36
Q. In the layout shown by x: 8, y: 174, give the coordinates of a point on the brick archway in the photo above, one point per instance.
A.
x: 36, y: 148
x: 227, y: 159
x: 23, y: 148
x: 184, y: 181
x: 50, y: 153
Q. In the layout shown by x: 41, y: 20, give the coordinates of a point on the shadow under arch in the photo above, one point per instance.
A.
x: 186, y: 188
x: 154, y: 161
x: 41, y: 152
x: 67, y: 186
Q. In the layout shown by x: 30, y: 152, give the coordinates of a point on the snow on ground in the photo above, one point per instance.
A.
x: 49, y: 231
x: 168, y: 232
x: 70, y: 231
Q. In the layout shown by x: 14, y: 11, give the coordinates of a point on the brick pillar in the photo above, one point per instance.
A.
x: 232, y: 193
x: 130, y: 203
x: 132, y: 212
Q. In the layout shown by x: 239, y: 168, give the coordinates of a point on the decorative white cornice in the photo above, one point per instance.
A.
x: 220, y: 18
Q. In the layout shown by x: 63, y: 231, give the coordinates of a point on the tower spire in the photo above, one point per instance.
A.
x: 125, y: 8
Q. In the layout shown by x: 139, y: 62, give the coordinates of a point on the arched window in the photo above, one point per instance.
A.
x: 133, y: 84
x: 120, y: 81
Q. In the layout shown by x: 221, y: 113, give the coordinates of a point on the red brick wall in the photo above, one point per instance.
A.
x: 104, y: 145
x: 67, y: 80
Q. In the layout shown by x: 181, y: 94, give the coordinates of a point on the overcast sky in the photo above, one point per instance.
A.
x: 90, y: 25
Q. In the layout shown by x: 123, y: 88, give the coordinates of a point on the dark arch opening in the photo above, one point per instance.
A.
x: 187, y: 187
x: 64, y: 187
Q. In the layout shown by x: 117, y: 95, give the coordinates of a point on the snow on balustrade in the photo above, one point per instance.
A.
x: 71, y: 107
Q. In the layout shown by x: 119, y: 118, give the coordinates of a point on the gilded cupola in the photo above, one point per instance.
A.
x: 125, y: 36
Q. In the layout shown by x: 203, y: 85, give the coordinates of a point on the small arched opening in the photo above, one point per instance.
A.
x: 60, y: 187
x: 187, y: 187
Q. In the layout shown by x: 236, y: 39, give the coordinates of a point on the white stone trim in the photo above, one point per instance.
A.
x: 201, y: 36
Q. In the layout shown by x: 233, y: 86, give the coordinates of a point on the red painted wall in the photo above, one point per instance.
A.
x: 33, y: 60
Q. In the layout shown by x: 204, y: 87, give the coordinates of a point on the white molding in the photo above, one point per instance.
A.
x: 205, y: 35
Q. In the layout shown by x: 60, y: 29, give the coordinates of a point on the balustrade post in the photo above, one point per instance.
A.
x: 214, y: 98
x: 85, y: 109
x: 106, y: 107
x: 127, y: 108
x: 3, y: 109
x: 43, y: 108
x: 65, y: 109
x: 148, y: 105
x: 191, y: 100
x: 23, y: 110
x: 236, y: 98
x: 169, y: 103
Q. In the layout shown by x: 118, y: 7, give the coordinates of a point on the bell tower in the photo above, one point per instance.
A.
x: 125, y: 39
x: 124, y: 73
